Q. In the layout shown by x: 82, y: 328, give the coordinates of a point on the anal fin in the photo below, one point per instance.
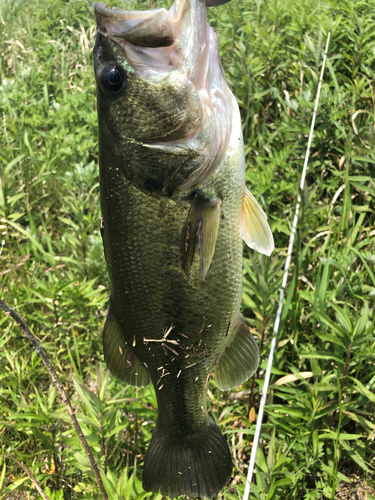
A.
x: 239, y: 360
x: 255, y: 230
x: 120, y: 357
x: 202, y: 226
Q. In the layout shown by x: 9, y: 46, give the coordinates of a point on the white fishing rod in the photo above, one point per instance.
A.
x: 282, y: 291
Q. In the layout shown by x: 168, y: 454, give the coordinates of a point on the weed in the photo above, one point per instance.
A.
x: 319, y: 425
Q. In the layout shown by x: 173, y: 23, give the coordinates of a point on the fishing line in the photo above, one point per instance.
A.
x: 282, y: 291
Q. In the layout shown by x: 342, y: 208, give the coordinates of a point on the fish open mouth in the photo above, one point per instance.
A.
x: 153, y: 28
x: 183, y: 29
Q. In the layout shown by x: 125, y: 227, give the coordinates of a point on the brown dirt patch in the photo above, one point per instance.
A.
x: 357, y: 489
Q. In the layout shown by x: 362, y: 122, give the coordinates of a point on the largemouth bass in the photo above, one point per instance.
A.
x: 175, y: 206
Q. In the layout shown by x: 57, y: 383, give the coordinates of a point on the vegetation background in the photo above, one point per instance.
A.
x: 317, y: 440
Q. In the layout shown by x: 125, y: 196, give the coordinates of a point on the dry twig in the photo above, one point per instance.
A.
x: 9, y: 312
x: 33, y: 480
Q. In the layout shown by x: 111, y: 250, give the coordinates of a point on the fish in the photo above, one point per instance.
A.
x: 175, y: 209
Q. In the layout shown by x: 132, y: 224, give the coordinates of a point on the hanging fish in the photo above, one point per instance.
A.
x: 175, y: 206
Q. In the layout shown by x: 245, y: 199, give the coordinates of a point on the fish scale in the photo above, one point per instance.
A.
x: 175, y: 208
x: 163, y: 291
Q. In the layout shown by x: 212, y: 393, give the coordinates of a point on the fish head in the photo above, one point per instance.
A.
x: 162, y: 94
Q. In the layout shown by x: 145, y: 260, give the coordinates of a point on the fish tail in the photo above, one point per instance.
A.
x: 197, y: 465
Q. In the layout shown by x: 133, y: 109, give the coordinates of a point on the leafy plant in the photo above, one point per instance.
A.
x: 319, y: 427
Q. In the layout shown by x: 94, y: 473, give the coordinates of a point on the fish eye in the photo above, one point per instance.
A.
x: 112, y: 78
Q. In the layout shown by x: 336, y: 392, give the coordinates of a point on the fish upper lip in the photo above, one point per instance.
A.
x: 102, y: 10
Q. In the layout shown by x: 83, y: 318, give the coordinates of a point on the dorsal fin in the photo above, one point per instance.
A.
x: 239, y: 360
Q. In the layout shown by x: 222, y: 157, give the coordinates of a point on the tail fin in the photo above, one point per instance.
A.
x: 197, y: 465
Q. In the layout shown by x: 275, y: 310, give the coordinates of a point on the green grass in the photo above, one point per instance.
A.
x: 318, y: 431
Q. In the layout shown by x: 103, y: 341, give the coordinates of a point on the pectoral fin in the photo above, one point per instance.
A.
x: 239, y: 360
x: 202, y: 226
x: 120, y: 358
x: 255, y: 230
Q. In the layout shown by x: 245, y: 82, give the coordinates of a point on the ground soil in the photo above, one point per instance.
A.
x: 357, y: 489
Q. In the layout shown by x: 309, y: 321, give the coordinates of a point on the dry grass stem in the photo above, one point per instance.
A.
x: 33, y: 480
x: 9, y: 312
